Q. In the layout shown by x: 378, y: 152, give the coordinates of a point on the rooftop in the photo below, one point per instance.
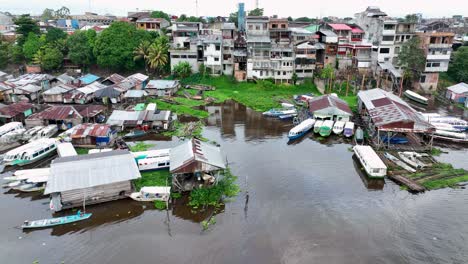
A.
x: 91, y: 130
x: 195, y: 150
x: 327, y: 101
x: 88, y: 78
x: 14, y: 109
x: 162, y: 84
x: 340, y: 27
x: 459, y: 88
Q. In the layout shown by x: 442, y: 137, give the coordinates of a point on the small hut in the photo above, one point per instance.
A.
x: 92, y: 179
x: 195, y: 164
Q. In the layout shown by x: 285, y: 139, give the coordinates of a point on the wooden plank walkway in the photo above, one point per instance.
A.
x: 412, y: 185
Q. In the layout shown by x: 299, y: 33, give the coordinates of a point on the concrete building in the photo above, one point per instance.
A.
x: 152, y: 24
x: 6, y: 22
x: 259, y: 65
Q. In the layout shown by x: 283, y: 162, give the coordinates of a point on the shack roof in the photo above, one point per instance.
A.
x: 91, y: 88
x: 30, y: 78
x: 135, y: 94
x: 195, y: 155
x: 157, y: 115
x: 340, y: 27
x: 109, y: 91
x: 389, y: 112
x: 88, y: 78
x: 28, y: 88
x: 460, y: 88
x: 327, y: 33
x: 85, y: 171
x: 137, y: 78
x: 15, y: 109
x: 56, y: 112
x: 59, y: 89
x: 162, y: 84
x: 65, y: 78
x: 91, y: 130
x: 89, y: 110
x: 119, y: 117
x: 114, y: 78
x: 329, y: 103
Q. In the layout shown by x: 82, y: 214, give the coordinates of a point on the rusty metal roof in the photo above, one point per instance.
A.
x: 114, y: 78
x: 91, y: 130
x: 14, y: 109
x: 327, y: 101
x: 89, y: 110
x: 57, y: 112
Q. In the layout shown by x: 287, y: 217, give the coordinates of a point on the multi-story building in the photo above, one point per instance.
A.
x: 438, y: 47
x: 326, y: 55
x: 92, y: 18
x: 282, y: 50
x: 152, y: 24
x: 259, y: 65
x: 185, y: 46
x: 305, y: 59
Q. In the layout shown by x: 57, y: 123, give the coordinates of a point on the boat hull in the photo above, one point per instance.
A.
x: 44, y: 223
x: 290, y: 137
x: 325, y: 131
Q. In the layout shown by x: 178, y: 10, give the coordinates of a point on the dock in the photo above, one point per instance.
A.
x: 412, y: 185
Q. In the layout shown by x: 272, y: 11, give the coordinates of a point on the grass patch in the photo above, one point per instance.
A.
x: 440, y: 175
x: 153, y: 178
x: 443, y: 183
x: 82, y: 151
x: 189, y: 102
x: 260, y: 96
x: 186, y: 130
x: 160, y: 205
x: 140, y: 146
x: 352, y: 102
x: 436, y: 152
x: 180, y: 109
x: 214, y: 196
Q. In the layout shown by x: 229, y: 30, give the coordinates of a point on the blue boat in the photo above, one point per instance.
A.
x: 79, y: 216
x: 301, y: 129
x: 394, y: 140
x: 287, y: 117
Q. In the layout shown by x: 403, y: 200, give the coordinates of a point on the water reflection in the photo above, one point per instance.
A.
x: 370, y: 184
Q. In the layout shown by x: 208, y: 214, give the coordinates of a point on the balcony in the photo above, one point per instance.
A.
x: 436, y: 69
x: 438, y: 57
x: 387, y: 32
x: 440, y: 45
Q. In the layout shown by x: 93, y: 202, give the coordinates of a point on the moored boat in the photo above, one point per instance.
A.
x: 455, y: 122
x: 31, y: 132
x: 326, y: 128
x: 348, y: 130
x: 158, y: 163
x: 399, y: 162
x: 154, y: 193
x: 371, y: 162
x: 359, y: 136
x: 301, y: 129
x: 9, y: 127
x: 45, y: 132
x: 79, y: 216
x: 135, y: 133
x: 446, y: 127
x: 12, y: 136
x: 317, y: 125
x: 416, y: 97
x: 279, y: 112
x: 394, y: 140
x: 338, y: 127
x: 287, y: 117
x: 31, y: 152
x: 449, y: 134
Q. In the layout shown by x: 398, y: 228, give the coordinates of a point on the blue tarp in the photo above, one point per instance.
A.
x: 88, y: 79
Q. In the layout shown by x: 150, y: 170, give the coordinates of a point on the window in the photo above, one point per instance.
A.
x: 175, y: 56
x: 384, y: 50
x: 283, y: 26
x: 279, y: 73
x: 388, y: 38
x: 216, y: 59
x: 261, y: 73
x: 389, y: 27
x: 300, y: 37
x: 387, y: 59
x: 433, y: 64
x: 250, y: 27
x: 444, y: 52
x: 257, y: 27
x: 192, y: 56
x: 218, y: 47
x: 422, y: 79
x: 284, y: 73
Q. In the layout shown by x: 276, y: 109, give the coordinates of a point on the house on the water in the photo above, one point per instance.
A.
x: 330, y: 107
x: 388, y: 116
x: 195, y: 164
x: 457, y: 93
x: 92, y: 135
x: 151, y: 117
x: 64, y: 116
x: 92, y: 178
x: 15, y: 112
x: 162, y: 87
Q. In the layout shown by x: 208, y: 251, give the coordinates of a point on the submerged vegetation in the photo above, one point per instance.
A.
x: 140, y: 146
x: 82, y: 151
x: 180, y: 109
x: 184, y: 130
x: 440, y: 175
x: 213, y: 196
x: 153, y: 178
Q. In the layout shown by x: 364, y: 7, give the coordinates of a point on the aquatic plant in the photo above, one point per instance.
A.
x: 436, y: 152
x: 82, y: 151
x: 140, y: 146
x: 160, y: 205
x: 180, y: 109
x: 207, y: 223
x: 153, y: 178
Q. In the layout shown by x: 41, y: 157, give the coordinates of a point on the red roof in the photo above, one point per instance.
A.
x: 58, y: 112
x: 92, y: 130
x: 326, y: 101
x: 89, y: 110
x: 15, y: 109
x: 340, y: 27
x: 357, y: 30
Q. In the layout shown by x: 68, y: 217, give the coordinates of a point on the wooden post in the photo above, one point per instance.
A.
x: 401, y: 86
x: 378, y: 80
x: 363, y: 80
x: 347, y: 85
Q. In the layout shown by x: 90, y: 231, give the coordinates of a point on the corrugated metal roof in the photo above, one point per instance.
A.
x: 85, y: 171
x: 328, y: 33
x: 118, y: 117
x: 196, y: 150
x: 114, y: 78
x: 29, y: 88
x: 92, y: 130
x: 15, y: 109
x: 109, y: 91
x: 459, y: 88
x: 59, y: 89
x: 89, y: 110
x: 162, y: 84
x: 88, y: 78
x: 327, y: 101
x: 57, y: 112
x: 340, y: 27
x: 135, y: 94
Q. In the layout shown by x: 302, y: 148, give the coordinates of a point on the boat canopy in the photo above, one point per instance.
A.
x: 156, y: 190
x: 306, y: 124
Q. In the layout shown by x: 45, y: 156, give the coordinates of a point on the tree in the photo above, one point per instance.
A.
x: 25, y: 26
x: 290, y: 19
x: 50, y: 58
x: 411, y: 59
x: 458, y: 69
x: 63, y: 12
x: 234, y: 18
x: 80, y: 48
x: 161, y: 14
x: 54, y: 34
x: 412, y: 18
x: 5, y: 49
x: 158, y: 56
x: 202, y: 70
x: 256, y: 12
x: 115, y: 45
x: 185, y: 18
x: 142, y: 53
x: 327, y: 74
x: 182, y: 69
x: 48, y: 14
x: 17, y: 55
x: 182, y: 18
x: 32, y: 44
x: 294, y: 78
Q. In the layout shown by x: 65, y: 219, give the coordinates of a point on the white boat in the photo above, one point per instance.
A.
x: 46, y: 132
x: 31, y: 152
x: 410, y: 160
x: 287, y: 106
x: 456, y: 123
x: 448, y: 134
x: 149, y: 194
x: 326, y: 128
x: 373, y: 165
x: 446, y: 127
x: 280, y: 112
x: 147, y: 164
x: 317, y: 126
x: 416, y: 97
x: 31, y: 132
x: 301, y: 129
x: 12, y: 136
x: 12, y: 126
x: 398, y: 162
x: 31, y: 187
x: 338, y: 127
x: 348, y: 129
x: 151, y: 153
x: 14, y: 184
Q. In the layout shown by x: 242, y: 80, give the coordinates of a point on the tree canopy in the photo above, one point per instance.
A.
x: 412, y: 58
x: 54, y: 34
x: 234, y: 17
x: 161, y: 14
x: 80, y: 47
x: 411, y: 18
x: 25, y: 25
x: 182, y: 69
x: 63, y: 12
x: 256, y: 12
x: 305, y: 19
x: 458, y: 69
x: 115, y: 45
x: 48, y: 14
x: 31, y: 46
x: 185, y: 18
x: 50, y: 58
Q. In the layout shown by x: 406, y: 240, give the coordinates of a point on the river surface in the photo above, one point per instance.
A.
x: 305, y: 202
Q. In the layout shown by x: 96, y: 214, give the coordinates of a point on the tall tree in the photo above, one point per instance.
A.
x: 63, y: 12
x: 161, y: 14
x: 54, y: 34
x: 256, y: 12
x: 114, y: 46
x: 412, y: 59
x: 32, y: 44
x: 158, y: 56
x: 25, y: 25
x: 5, y: 53
x: 50, y: 58
x: 458, y: 69
x: 234, y: 18
x: 48, y: 14
x: 411, y: 18
x: 80, y: 49
x: 142, y: 53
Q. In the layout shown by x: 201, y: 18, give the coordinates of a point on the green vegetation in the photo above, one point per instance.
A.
x: 80, y: 47
x: 458, y: 69
x: 179, y: 109
x: 436, y: 152
x: 183, y: 130
x: 189, y: 102
x: 182, y: 69
x: 140, y: 146
x: 160, y: 205
x: 82, y: 151
x: 213, y: 196
x: 440, y: 175
x: 412, y: 60
x: 260, y: 96
x: 153, y: 178
x: 207, y: 223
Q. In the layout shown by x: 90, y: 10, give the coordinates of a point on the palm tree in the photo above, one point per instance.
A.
x: 158, y: 56
x: 142, y: 53
x: 38, y: 57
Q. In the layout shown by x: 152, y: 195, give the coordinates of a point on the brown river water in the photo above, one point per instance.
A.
x: 305, y: 202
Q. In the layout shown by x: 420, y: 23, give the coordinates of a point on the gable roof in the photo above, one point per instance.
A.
x: 340, y: 27
x: 327, y: 101
x: 109, y: 91
x: 459, y: 88
x: 162, y: 84
x: 91, y: 130
x: 59, y: 89
x: 85, y: 171
x: 88, y: 78
x: 195, y: 150
x: 14, y: 109
x: 114, y: 78
x: 57, y: 112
